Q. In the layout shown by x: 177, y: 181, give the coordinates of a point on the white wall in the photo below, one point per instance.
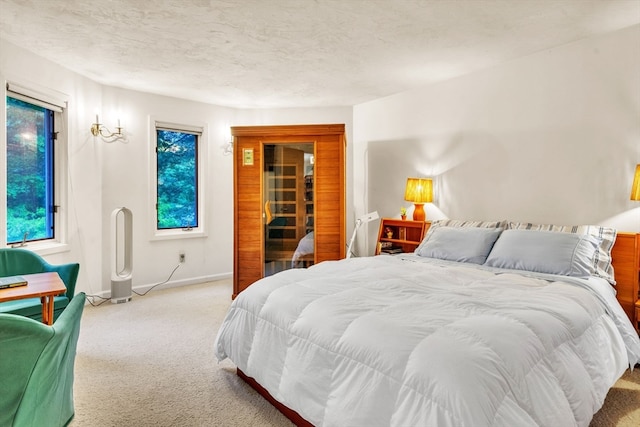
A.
x: 105, y: 176
x: 84, y: 205
x: 126, y: 181
x: 553, y: 137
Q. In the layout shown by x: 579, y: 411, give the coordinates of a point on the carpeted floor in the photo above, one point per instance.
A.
x: 149, y: 362
x: 622, y: 406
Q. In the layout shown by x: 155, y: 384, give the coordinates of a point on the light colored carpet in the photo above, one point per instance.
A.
x: 622, y: 406
x: 150, y: 362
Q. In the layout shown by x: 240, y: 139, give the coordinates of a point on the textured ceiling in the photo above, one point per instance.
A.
x: 296, y: 53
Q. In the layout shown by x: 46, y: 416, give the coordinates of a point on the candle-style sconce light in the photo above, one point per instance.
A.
x: 98, y: 129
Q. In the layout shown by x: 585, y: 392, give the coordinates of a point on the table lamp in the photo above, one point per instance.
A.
x: 419, y: 191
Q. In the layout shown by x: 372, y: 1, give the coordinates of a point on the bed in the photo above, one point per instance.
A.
x: 303, y: 255
x: 486, y: 324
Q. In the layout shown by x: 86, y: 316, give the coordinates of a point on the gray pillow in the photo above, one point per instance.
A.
x: 549, y: 252
x: 462, y: 244
x: 458, y: 223
x: 605, y: 235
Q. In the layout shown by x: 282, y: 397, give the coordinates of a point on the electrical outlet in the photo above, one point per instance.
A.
x: 181, y: 257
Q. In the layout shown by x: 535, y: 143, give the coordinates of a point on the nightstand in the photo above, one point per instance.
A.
x: 398, y: 236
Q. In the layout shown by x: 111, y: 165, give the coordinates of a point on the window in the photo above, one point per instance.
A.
x: 34, y: 189
x: 177, y: 178
x: 30, y: 171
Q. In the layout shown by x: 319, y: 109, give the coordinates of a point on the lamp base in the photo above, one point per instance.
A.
x: 418, y: 212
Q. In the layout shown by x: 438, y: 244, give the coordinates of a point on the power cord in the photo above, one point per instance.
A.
x: 158, y: 284
x: 91, y: 298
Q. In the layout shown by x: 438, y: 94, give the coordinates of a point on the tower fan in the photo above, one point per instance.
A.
x: 121, y: 258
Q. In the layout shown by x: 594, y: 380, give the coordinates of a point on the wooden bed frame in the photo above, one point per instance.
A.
x: 626, y: 264
x: 285, y: 410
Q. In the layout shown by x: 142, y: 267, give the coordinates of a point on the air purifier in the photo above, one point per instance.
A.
x: 121, y: 255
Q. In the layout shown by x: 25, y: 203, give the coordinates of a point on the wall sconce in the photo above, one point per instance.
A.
x: 99, y: 129
x: 419, y: 191
x: 635, y: 187
x: 227, y: 150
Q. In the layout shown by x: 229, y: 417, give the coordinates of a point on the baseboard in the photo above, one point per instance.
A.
x: 171, y: 284
x: 184, y: 282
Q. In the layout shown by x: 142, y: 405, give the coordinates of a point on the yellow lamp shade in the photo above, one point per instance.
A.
x: 419, y: 191
x: 635, y: 188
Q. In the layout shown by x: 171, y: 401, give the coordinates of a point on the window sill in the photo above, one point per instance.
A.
x: 178, y: 234
x: 45, y: 248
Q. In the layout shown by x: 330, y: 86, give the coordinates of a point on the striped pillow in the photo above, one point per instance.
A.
x: 606, y: 238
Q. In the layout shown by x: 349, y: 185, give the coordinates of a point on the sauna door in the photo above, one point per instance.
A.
x: 288, y: 205
x: 264, y: 189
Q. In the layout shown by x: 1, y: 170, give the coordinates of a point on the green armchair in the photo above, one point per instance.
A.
x: 37, y: 368
x: 14, y: 261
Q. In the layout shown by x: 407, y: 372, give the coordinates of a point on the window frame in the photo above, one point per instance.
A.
x: 57, y: 102
x: 200, y: 129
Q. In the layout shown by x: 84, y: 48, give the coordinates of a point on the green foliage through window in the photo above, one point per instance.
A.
x: 30, y: 160
x: 177, y: 183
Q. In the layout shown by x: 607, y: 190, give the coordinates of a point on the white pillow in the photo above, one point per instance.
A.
x: 462, y: 244
x: 606, y: 237
x: 549, y: 252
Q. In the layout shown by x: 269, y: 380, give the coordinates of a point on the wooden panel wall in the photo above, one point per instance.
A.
x: 248, y: 242
x: 329, y: 182
x: 626, y: 265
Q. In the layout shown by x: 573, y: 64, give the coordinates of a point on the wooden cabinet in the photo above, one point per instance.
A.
x: 400, y: 236
x: 317, y: 203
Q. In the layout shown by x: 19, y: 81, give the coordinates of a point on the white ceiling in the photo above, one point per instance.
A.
x: 296, y: 53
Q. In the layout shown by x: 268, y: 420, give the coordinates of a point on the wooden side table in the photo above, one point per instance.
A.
x: 43, y: 285
x: 400, y: 235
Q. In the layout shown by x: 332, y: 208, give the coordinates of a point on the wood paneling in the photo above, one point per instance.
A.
x: 626, y: 265
x: 329, y: 198
x: 329, y: 194
x: 248, y: 258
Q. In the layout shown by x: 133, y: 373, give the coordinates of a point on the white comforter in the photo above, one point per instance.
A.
x: 390, y: 341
